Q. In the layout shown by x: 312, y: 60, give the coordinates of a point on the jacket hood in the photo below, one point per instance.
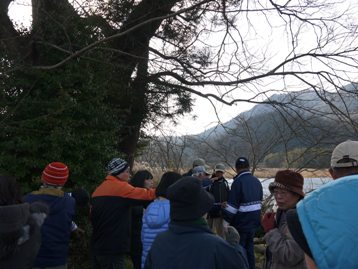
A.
x: 329, y: 218
x: 13, y: 217
x: 157, y: 213
x: 184, y: 227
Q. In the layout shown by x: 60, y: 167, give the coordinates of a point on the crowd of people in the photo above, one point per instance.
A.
x: 195, y: 220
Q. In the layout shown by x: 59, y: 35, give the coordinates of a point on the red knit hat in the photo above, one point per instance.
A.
x: 55, y: 173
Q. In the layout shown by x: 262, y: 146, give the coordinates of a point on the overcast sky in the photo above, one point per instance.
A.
x: 206, y: 116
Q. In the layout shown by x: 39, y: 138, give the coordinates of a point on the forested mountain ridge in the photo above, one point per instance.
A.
x: 306, y: 103
x: 297, y: 129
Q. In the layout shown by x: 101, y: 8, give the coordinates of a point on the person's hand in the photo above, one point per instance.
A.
x: 268, y: 221
x: 39, y: 212
x: 78, y: 233
x: 232, y: 236
x: 39, y: 218
x: 225, y: 226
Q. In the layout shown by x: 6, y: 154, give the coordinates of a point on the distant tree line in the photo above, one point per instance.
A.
x: 299, y: 134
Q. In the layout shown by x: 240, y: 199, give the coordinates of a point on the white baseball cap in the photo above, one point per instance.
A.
x: 345, y: 154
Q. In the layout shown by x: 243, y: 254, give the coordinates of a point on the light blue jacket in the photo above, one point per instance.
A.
x: 329, y: 219
x: 155, y: 220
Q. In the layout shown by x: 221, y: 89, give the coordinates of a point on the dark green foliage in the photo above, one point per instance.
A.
x: 58, y: 115
x: 89, y: 109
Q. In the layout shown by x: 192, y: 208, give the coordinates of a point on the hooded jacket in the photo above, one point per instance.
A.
x: 20, y: 235
x: 329, y: 219
x: 192, y: 245
x: 155, y: 220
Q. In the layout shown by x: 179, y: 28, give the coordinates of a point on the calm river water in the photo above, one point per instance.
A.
x: 309, y: 184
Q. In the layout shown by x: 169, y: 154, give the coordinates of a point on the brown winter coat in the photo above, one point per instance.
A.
x: 285, y: 253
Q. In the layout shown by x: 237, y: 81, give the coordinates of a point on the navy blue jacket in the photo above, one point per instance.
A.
x: 193, y: 246
x: 56, y: 230
x: 244, y: 204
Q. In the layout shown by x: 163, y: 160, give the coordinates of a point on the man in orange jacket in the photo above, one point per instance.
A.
x: 110, y: 215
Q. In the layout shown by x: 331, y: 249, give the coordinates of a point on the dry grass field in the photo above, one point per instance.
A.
x: 259, y: 172
x: 306, y: 172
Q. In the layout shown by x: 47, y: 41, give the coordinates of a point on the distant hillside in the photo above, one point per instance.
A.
x: 297, y: 129
x: 301, y: 127
x: 306, y: 103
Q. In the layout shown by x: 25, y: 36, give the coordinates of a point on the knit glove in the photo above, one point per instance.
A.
x: 268, y: 221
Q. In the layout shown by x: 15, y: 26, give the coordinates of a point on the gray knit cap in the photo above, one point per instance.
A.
x: 116, y: 166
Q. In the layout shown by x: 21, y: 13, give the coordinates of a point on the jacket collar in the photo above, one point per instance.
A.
x: 189, y: 227
x: 243, y: 172
x: 112, y: 178
x: 49, y: 191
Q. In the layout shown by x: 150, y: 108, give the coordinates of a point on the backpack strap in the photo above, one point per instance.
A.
x: 226, y: 184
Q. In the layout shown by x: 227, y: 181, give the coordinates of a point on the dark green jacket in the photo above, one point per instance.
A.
x: 193, y: 246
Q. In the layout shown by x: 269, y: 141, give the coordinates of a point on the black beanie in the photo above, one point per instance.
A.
x: 188, y: 199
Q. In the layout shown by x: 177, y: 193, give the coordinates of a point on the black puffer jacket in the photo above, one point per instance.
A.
x: 20, y: 235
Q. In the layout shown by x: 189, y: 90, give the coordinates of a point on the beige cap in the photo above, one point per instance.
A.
x: 199, y: 162
x: 345, y: 154
x: 220, y: 167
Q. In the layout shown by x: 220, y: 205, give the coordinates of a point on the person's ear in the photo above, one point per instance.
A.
x: 333, y: 173
x: 310, y: 263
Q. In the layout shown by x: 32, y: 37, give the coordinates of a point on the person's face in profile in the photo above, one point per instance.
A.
x: 125, y: 175
x: 219, y: 174
x: 148, y: 183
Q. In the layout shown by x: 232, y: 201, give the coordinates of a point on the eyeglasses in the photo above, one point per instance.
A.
x: 281, y: 193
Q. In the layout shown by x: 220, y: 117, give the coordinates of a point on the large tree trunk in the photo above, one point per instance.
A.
x: 136, y: 105
x: 128, y: 94
x: 132, y: 94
